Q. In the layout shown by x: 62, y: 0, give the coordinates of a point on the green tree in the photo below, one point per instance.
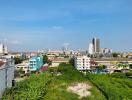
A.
x: 45, y: 59
x: 18, y: 60
x: 115, y: 54
x: 101, y: 67
x: 71, y: 61
x: 130, y: 66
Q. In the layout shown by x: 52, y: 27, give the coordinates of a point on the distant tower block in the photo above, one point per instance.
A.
x: 91, y: 48
x: 66, y: 46
x: 3, y: 49
x: 96, y: 45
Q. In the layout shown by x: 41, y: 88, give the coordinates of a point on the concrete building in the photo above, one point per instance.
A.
x: 6, y: 74
x: 3, y: 49
x: 23, y: 66
x: 91, y: 48
x: 112, y: 62
x: 57, y: 61
x: 51, y: 56
x: 106, y: 51
x: 82, y: 63
x: 96, y: 44
x: 35, y: 63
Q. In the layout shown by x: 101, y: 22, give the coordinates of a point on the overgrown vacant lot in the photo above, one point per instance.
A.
x: 66, y: 83
x: 115, y: 86
x: 57, y: 90
x: 33, y: 88
x: 48, y: 86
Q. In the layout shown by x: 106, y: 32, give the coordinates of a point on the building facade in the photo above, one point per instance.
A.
x: 91, y: 49
x: 35, y: 63
x: 82, y: 63
x: 3, y: 49
x: 23, y: 66
x: 7, y: 67
x: 57, y: 61
x: 96, y: 45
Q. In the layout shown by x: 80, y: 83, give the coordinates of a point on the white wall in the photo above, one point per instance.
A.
x: 1, y: 48
x: 2, y: 81
x: 6, y: 76
x: 82, y: 63
x: 55, y: 64
x: 10, y: 76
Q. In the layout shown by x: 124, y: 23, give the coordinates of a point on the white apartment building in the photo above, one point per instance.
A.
x: 82, y: 63
x: 6, y: 74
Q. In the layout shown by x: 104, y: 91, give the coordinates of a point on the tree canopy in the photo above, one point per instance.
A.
x: 18, y: 60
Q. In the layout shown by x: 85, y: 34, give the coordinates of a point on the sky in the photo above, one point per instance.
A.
x: 48, y: 24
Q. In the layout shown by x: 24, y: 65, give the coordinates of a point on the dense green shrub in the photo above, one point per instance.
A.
x: 35, y: 87
x: 114, y: 87
x: 119, y: 75
x: 129, y: 73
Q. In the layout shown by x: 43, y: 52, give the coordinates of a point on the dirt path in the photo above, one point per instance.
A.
x: 80, y: 89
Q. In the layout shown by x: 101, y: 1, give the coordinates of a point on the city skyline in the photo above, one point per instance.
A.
x: 33, y: 24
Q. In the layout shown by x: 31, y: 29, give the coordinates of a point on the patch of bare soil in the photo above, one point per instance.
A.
x: 80, y: 89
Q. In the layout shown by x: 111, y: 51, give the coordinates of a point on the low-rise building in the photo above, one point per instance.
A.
x: 23, y: 66
x: 35, y: 63
x: 51, y: 56
x: 57, y: 61
x: 82, y: 63
x: 114, y: 63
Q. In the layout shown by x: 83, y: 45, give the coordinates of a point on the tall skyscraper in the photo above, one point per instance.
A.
x: 96, y: 45
x: 3, y: 49
x: 93, y: 42
x: 66, y: 46
x: 91, y: 48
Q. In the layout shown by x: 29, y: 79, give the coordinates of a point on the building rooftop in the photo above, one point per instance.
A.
x: 112, y: 59
x: 1, y: 63
x: 60, y: 60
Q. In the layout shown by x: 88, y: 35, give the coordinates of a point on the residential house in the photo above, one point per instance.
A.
x: 35, y: 63
x: 23, y: 66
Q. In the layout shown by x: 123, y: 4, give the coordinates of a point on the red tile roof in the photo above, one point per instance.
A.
x: 1, y: 63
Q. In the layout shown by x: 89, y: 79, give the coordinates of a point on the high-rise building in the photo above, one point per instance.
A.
x: 91, y: 48
x: 96, y: 45
x: 3, y: 49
